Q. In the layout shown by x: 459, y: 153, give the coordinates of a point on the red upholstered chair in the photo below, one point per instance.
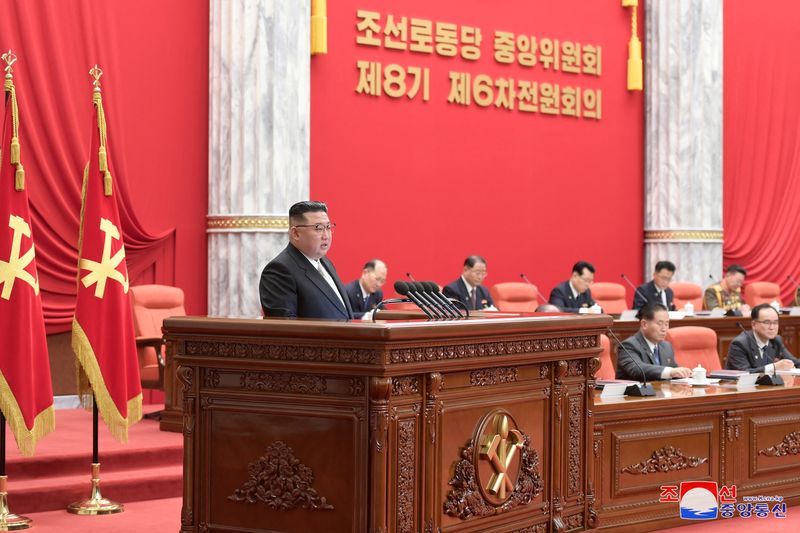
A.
x: 607, y: 370
x: 761, y: 292
x: 683, y: 292
x: 610, y: 296
x: 151, y: 304
x: 515, y: 297
x: 695, y: 345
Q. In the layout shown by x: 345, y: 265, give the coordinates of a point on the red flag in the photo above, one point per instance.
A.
x: 26, y: 394
x: 102, y: 332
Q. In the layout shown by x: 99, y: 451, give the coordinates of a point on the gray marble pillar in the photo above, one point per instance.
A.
x: 683, y: 137
x: 259, y: 105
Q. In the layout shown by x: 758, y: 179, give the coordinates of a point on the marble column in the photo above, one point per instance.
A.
x: 683, y: 137
x: 259, y: 105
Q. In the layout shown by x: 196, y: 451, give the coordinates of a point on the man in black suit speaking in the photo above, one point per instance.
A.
x: 301, y: 282
x: 762, y: 349
x: 468, y: 288
x: 365, y: 293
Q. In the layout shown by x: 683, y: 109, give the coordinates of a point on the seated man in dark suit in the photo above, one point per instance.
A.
x: 574, y: 294
x: 654, y: 355
x: 657, y: 290
x: 468, y: 288
x: 761, y: 349
x: 300, y: 282
x: 365, y: 293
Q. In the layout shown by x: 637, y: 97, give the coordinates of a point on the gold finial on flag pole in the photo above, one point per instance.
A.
x: 10, y: 59
x: 96, y: 72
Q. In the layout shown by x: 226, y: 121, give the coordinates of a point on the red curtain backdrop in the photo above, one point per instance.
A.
x: 155, y: 58
x: 424, y: 184
x: 761, y: 141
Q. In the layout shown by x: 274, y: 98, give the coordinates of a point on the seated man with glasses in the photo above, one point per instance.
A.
x: 762, y: 349
x: 574, y: 294
x: 300, y: 282
x: 365, y: 293
x: 468, y: 288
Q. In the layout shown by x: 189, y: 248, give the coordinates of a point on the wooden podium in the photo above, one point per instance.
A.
x: 412, y: 426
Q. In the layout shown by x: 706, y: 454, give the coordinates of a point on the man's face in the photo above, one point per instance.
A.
x: 581, y: 282
x: 734, y: 280
x: 315, y: 244
x: 662, y: 278
x: 373, y: 279
x: 766, y: 325
x: 475, y: 274
x: 656, y: 330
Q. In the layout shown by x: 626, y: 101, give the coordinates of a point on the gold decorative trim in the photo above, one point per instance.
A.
x: 233, y: 223
x: 683, y: 235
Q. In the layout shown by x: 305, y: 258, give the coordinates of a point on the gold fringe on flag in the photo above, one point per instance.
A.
x: 319, y: 27
x: 635, y: 82
x: 27, y: 438
x: 19, y: 175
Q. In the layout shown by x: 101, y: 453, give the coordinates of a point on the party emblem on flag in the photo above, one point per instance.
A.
x: 14, y: 268
x: 100, y: 272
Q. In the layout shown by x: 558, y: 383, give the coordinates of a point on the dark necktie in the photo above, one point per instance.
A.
x: 657, y: 355
x: 473, y: 298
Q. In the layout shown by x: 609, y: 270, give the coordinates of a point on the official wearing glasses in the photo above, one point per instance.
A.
x: 761, y: 349
x: 301, y: 282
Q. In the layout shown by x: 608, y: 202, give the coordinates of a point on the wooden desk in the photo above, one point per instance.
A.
x: 748, y: 438
x: 303, y: 426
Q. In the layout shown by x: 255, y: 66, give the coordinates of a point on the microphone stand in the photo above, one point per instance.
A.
x: 645, y: 389
x: 635, y: 289
x: 538, y: 294
x: 433, y: 291
x: 765, y: 379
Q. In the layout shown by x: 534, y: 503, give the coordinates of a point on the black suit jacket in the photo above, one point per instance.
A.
x: 291, y: 286
x: 561, y: 296
x: 357, y: 299
x: 458, y: 290
x: 650, y: 291
x: 637, y: 347
x: 743, y: 353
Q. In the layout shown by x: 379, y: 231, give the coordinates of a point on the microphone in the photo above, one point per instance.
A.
x: 635, y: 289
x: 421, y: 292
x: 766, y: 379
x: 538, y: 294
x: 432, y: 290
x: 402, y: 288
x: 409, y: 276
x: 645, y: 389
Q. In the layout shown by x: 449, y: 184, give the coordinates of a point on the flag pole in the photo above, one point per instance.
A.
x: 96, y: 504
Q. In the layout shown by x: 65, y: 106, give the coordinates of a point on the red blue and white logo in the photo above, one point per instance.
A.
x: 698, y: 500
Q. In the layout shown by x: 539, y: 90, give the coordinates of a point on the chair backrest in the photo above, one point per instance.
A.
x: 515, y: 297
x: 151, y: 304
x: 695, y: 345
x: 686, y: 292
x: 610, y: 296
x: 761, y: 292
x: 607, y: 370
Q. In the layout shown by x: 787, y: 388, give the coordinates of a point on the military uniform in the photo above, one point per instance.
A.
x: 715, y: 296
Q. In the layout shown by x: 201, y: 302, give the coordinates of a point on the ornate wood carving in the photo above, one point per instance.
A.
x: 283, y: 382
x: 281, y: 481
x: 379, y: 389
x: 666, y: 459
x: 538, y: 528
x: 493, y: 376
x: 356, y: 386
x: 241, y: 350
x: 594, y: 366
x: 544, y: 371
x: 790, y: 445
x: 405, y: 385
x: 490, y: 349
x: 406, y: 474
x: 186, y: 377
x: 574, y: 454
x: 560, y: 369
x: 432, y: 407
x: 575, y: 368
x: 465, y: 499
x: 212, y: 378
x: 574, y: 521
x: 733, y: 425
x: 591, y: 522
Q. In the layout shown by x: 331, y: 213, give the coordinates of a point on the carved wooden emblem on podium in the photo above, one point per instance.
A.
x: 498, y: 474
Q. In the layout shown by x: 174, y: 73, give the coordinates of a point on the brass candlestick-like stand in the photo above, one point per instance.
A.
x: 8, y: 520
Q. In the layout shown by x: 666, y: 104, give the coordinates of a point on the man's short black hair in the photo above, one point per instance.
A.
x: 649, y: 310
x: 299, y: 210
x: 470, y: 261
x: 371, y: 264
x: 757, y: 309
x: 736, y: 268
x: 665, y: 265
x: 578, y: 267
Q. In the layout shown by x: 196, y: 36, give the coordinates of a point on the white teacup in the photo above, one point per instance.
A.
x: 699, y: 373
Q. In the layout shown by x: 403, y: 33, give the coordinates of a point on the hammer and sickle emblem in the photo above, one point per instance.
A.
x: 500, y: 449
x: 14, y: 268
x: 100, y: 272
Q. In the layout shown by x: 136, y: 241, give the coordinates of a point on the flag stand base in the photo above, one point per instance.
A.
x: 8, y: 520
x: 95, y: 504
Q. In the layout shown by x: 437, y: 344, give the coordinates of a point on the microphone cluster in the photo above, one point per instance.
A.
x: 427, y: 296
